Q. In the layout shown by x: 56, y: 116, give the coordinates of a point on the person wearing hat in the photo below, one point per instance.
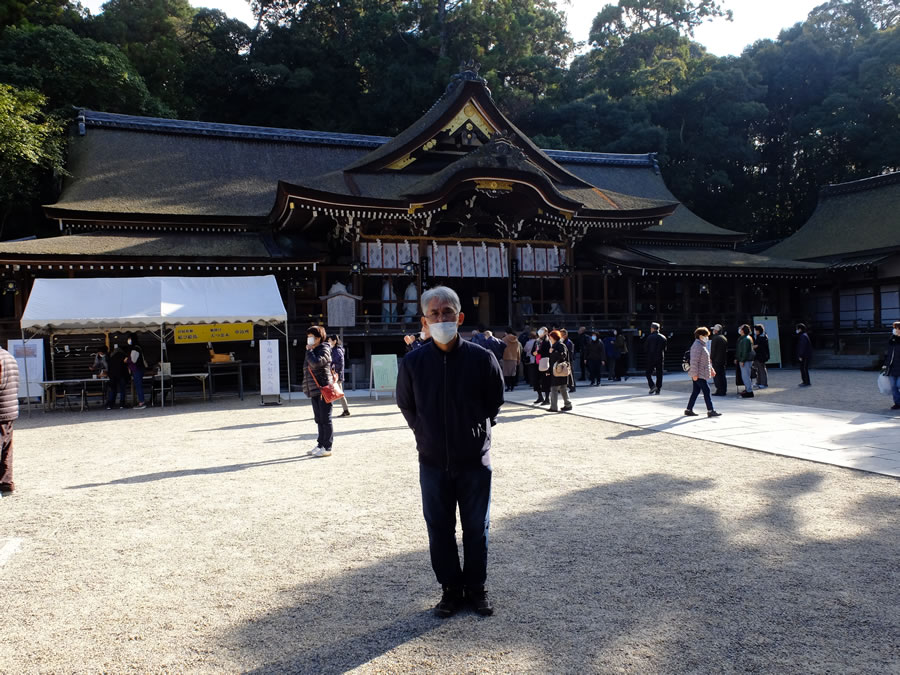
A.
x: 718, y: 353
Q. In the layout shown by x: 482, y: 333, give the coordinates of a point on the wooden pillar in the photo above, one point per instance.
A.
x: 606, y: 296
x: 567, y: 282
x: 579, y: 292
x: 836, y: 317
x: 632, y: 298
x: 876, y: 305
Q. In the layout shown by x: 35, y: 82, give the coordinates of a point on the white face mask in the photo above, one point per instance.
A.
x: 798, y: 331
x: 542, y: 332
x: 594, y: 338
x: 443, y: 332
x: 310, y: 340
x: 704, y: 339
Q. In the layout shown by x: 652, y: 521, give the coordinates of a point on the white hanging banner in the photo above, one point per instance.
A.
x: 269, y: 368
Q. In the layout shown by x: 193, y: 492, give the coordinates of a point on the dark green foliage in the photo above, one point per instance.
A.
x: 746, y: 142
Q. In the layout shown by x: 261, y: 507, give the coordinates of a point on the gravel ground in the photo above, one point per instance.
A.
x: 851, y: 390
x: 201, y: 539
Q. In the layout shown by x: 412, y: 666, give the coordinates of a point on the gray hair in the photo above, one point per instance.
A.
x: 444, y: 294
x: 654, y: 325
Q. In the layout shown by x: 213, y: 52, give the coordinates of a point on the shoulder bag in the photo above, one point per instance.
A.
x: 562, y: 368
x: 330, y: 392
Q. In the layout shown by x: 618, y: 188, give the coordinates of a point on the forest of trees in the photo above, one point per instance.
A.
x: 744, y: 141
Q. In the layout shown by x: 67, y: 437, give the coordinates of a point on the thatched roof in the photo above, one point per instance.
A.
x: 852, y: 218
x: 178, y: 170
x: 163, y: 245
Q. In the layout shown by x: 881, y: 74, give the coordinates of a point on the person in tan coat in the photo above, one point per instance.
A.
x: 512, y: 356
x: 701, y: 370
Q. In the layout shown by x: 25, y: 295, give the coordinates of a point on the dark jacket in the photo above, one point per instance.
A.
x: 656, y: 347
x: 9, y: 387
x: 609, y: 344
x: 595, y: 351
x: 118, y: 367
x: 449, y: 400
x: 892, y: 356
x: 744, y: 349
x: 337, y: 360
x: 319, y: 360
x: 496, y: 346
x: 762, y: 348
x: 559, y: 353
x: 804, y: 347
x: 718, y: 350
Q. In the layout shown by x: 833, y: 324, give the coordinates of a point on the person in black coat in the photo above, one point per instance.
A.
x: 718, y: 355
x: 559, y: 384
x: 656, y: 353
x: 595, y: 354
x: 118, y: 377
x: 317, y: 373
x: 762, y: 356
x: 542, y: 382
x: 804, y: 353
x: 450, y: 392
x: 892, y: 364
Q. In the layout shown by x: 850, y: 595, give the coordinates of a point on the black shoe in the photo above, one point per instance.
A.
x: 719, y: 393
x: 540, y: 400
x: 690, y: 413
x: 747, y: 394
x: 478, y: 599
x: 567, y: 407
x: 804, y: 384
x: 657, y: 391
x: 896, y: 406
x: 713, y: 413
x: 346, y: 413
x: 651, y: 392
x: 451, y: 601
x: 546, y: 401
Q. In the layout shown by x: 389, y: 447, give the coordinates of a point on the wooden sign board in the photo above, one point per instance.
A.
x: 213, y: 332
x: 383, y: 374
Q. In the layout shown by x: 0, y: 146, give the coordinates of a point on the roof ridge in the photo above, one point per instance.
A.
x: 107, y: 120
x: 98, y: 119
x: 870, y: 183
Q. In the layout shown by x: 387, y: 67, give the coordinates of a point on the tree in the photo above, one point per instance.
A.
x: 30, y: 143
x: 72, y: 71
x: 616, y: 23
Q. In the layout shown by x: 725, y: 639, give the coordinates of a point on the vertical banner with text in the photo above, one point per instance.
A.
x: 269, y: 368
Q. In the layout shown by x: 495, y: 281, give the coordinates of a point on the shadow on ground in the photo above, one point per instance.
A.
x: 638, y: 575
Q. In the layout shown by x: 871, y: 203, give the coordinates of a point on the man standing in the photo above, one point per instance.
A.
x: 450, y: 392
x: 804, y: 352
x: 656, y: 353
x: 580, y: 341
x: 9, y: 412
x: 762, y: 356
x: 718, y: 354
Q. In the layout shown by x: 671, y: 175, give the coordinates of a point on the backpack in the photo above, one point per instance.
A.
x: 686, y: 361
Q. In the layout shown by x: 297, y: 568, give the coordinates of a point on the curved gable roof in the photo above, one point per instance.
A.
x: 851, y: 218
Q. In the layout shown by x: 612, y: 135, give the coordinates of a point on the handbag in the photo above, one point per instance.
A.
x: 330, y: 392
x: 543, y: 364
x: 884, y: 384
x: 562, y: 369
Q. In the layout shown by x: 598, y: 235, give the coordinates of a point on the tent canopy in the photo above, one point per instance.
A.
x: 74, y: 305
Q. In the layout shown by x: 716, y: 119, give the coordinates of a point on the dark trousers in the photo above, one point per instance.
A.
x: 611, y: 362
x: 596, y: 368
x: 621, y: 365
x: 720, y: 380
x: 658, y: 367
x: 322, y: 415
x: 116, y: 385
x: 804, y: 370
x: 6, y: 456
x: 442, y: 491
x: 583, y: 364
x: 700, y: 385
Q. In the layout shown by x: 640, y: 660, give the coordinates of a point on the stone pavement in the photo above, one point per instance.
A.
x: 855, y: 440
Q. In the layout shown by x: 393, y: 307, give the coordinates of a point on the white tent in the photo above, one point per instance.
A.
x: 85, y: 305
x: 79, y: 305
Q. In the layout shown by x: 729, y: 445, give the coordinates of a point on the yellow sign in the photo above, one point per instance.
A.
x: 214, y: 332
